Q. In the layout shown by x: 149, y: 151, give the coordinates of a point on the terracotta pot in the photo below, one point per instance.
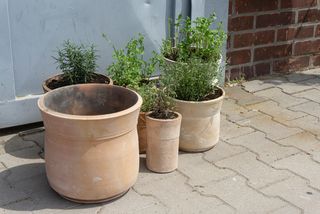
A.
x: 91, y: 140
x: 200, y: 126
x: 142, y: 133
x: 163, y: 143
x: 58, y: 77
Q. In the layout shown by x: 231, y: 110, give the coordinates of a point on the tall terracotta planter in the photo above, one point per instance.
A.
x: 100, y: 79
x: 163, y: 143
x: 200, y: 126
x: 142, y: 133
x: 91, y: 141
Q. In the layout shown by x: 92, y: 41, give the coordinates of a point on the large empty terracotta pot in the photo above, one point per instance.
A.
x: 91, y: 141
x: 200, y: 126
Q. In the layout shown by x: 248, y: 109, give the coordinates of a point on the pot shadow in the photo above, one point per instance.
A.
x: 29, y: 146
x: 302, y: 79
x: 26, y: 188
x: 143, y: 164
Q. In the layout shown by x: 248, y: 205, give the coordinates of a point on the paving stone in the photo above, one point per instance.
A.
x: 298, y: 77
x: 235, y: 192
x: 308, y: 123
x: 258, y: 173
x: 243, y: 97
x: 230, y: 130
x: 315, y: 71
x: 37, y: 138
x: 222, y: 151
x: 312, y: 94
x: 304, y: 141
x: 199, y: 171
x: 287, y: 210
x: 297, y: 163
x: 267, y: 150
x: 236, y: 112
x: 284, y: 100
x: 9, y: 194
x: 12, y: 143
x: 278, y: 113
x: 28, y: 155
x: 296, y: 191
x: 295, y: 87
x: 177, y: 196
x: 311, y: 108
x: 263, y: 83
x: 274, y: 130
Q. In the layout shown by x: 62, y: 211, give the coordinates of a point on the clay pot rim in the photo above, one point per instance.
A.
x: 216, y: 100
x: 164, y: 120
x: 46, y: 88
x: 51, y: 112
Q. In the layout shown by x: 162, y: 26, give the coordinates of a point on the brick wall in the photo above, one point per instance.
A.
x: 268, y: 36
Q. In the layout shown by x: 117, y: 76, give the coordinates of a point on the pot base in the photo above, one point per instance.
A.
x: 196, y: 150
x: 95, y: 201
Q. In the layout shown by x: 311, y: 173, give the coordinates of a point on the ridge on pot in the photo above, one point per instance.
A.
x: 91, y: 141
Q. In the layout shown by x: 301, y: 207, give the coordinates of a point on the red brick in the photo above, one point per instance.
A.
x: 275, y: 19
x: 272, y: 52
x: 248, y: 6
x: 309, y: 16
x: 262, y: 69
x: 307, y: 47
x: 286, y: 34
x: 264, y: 37
x: 229, y: 45
x: 239, y: 57
x: 230, y: 7
x: 318, y: 30
x: 239, y: 72
x: 243, y: 40
x: 298, y: 3
x: 291, y: 64
x: 316, y: 60
x: 240, y: 23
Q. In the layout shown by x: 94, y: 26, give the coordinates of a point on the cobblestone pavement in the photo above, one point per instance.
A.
x: 267, y: 161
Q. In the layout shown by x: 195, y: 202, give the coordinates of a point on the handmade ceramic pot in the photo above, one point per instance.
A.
x: 91, y: 141
x: 142, y: 133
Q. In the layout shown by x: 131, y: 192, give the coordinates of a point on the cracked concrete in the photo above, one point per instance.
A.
x: 267, y: 161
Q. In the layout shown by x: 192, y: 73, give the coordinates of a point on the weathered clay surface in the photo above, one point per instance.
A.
x: 91, y: 141
x: 142, y: 132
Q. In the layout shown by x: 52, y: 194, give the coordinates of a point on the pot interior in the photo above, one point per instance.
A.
x: 90, y: 99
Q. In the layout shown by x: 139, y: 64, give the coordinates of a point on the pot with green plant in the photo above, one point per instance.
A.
x: 131, y: 70
x: 163, y: 130
x: 78, y: 65
x: 191, y: 69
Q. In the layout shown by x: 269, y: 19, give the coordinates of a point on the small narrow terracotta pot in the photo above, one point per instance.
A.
x: 45, y: 85
x: 142, y: 133
x: 91, y: 140
x: 163, y: 143
x: 200, y: 126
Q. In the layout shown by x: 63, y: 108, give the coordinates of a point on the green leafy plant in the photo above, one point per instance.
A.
x: 77, y: 62
x: 129, y: 68
x: 162, y: 107
x: 196, y: 50
x: 148, y: 92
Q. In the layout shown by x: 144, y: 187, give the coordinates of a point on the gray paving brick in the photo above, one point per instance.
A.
x: 311, y: 108
x: 173, y: 189
x: 230, y: 130
x: 297, y: 163
x: 12, y: 143
x: 199, y: 171
x: 278, y: 113
x: 312, y: 94
x: 274, y: 130
x: 296, y: 191
x: 289, y: 209
x: 304, y: 141
x: 236, y: 112
x: 222, y: 151
x: 267, y: 150
x: 258, y: 173
x: 284, y: 100
x: 301, y: 76
x: 243, y: 97
x: 308, y: 123
x: 235, y: 192
x: 295, y: 87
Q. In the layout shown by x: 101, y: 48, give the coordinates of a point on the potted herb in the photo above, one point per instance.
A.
x: 163, y: 130
x: 131, y: 70
x: 78, y: 65
x: 191, y: 70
